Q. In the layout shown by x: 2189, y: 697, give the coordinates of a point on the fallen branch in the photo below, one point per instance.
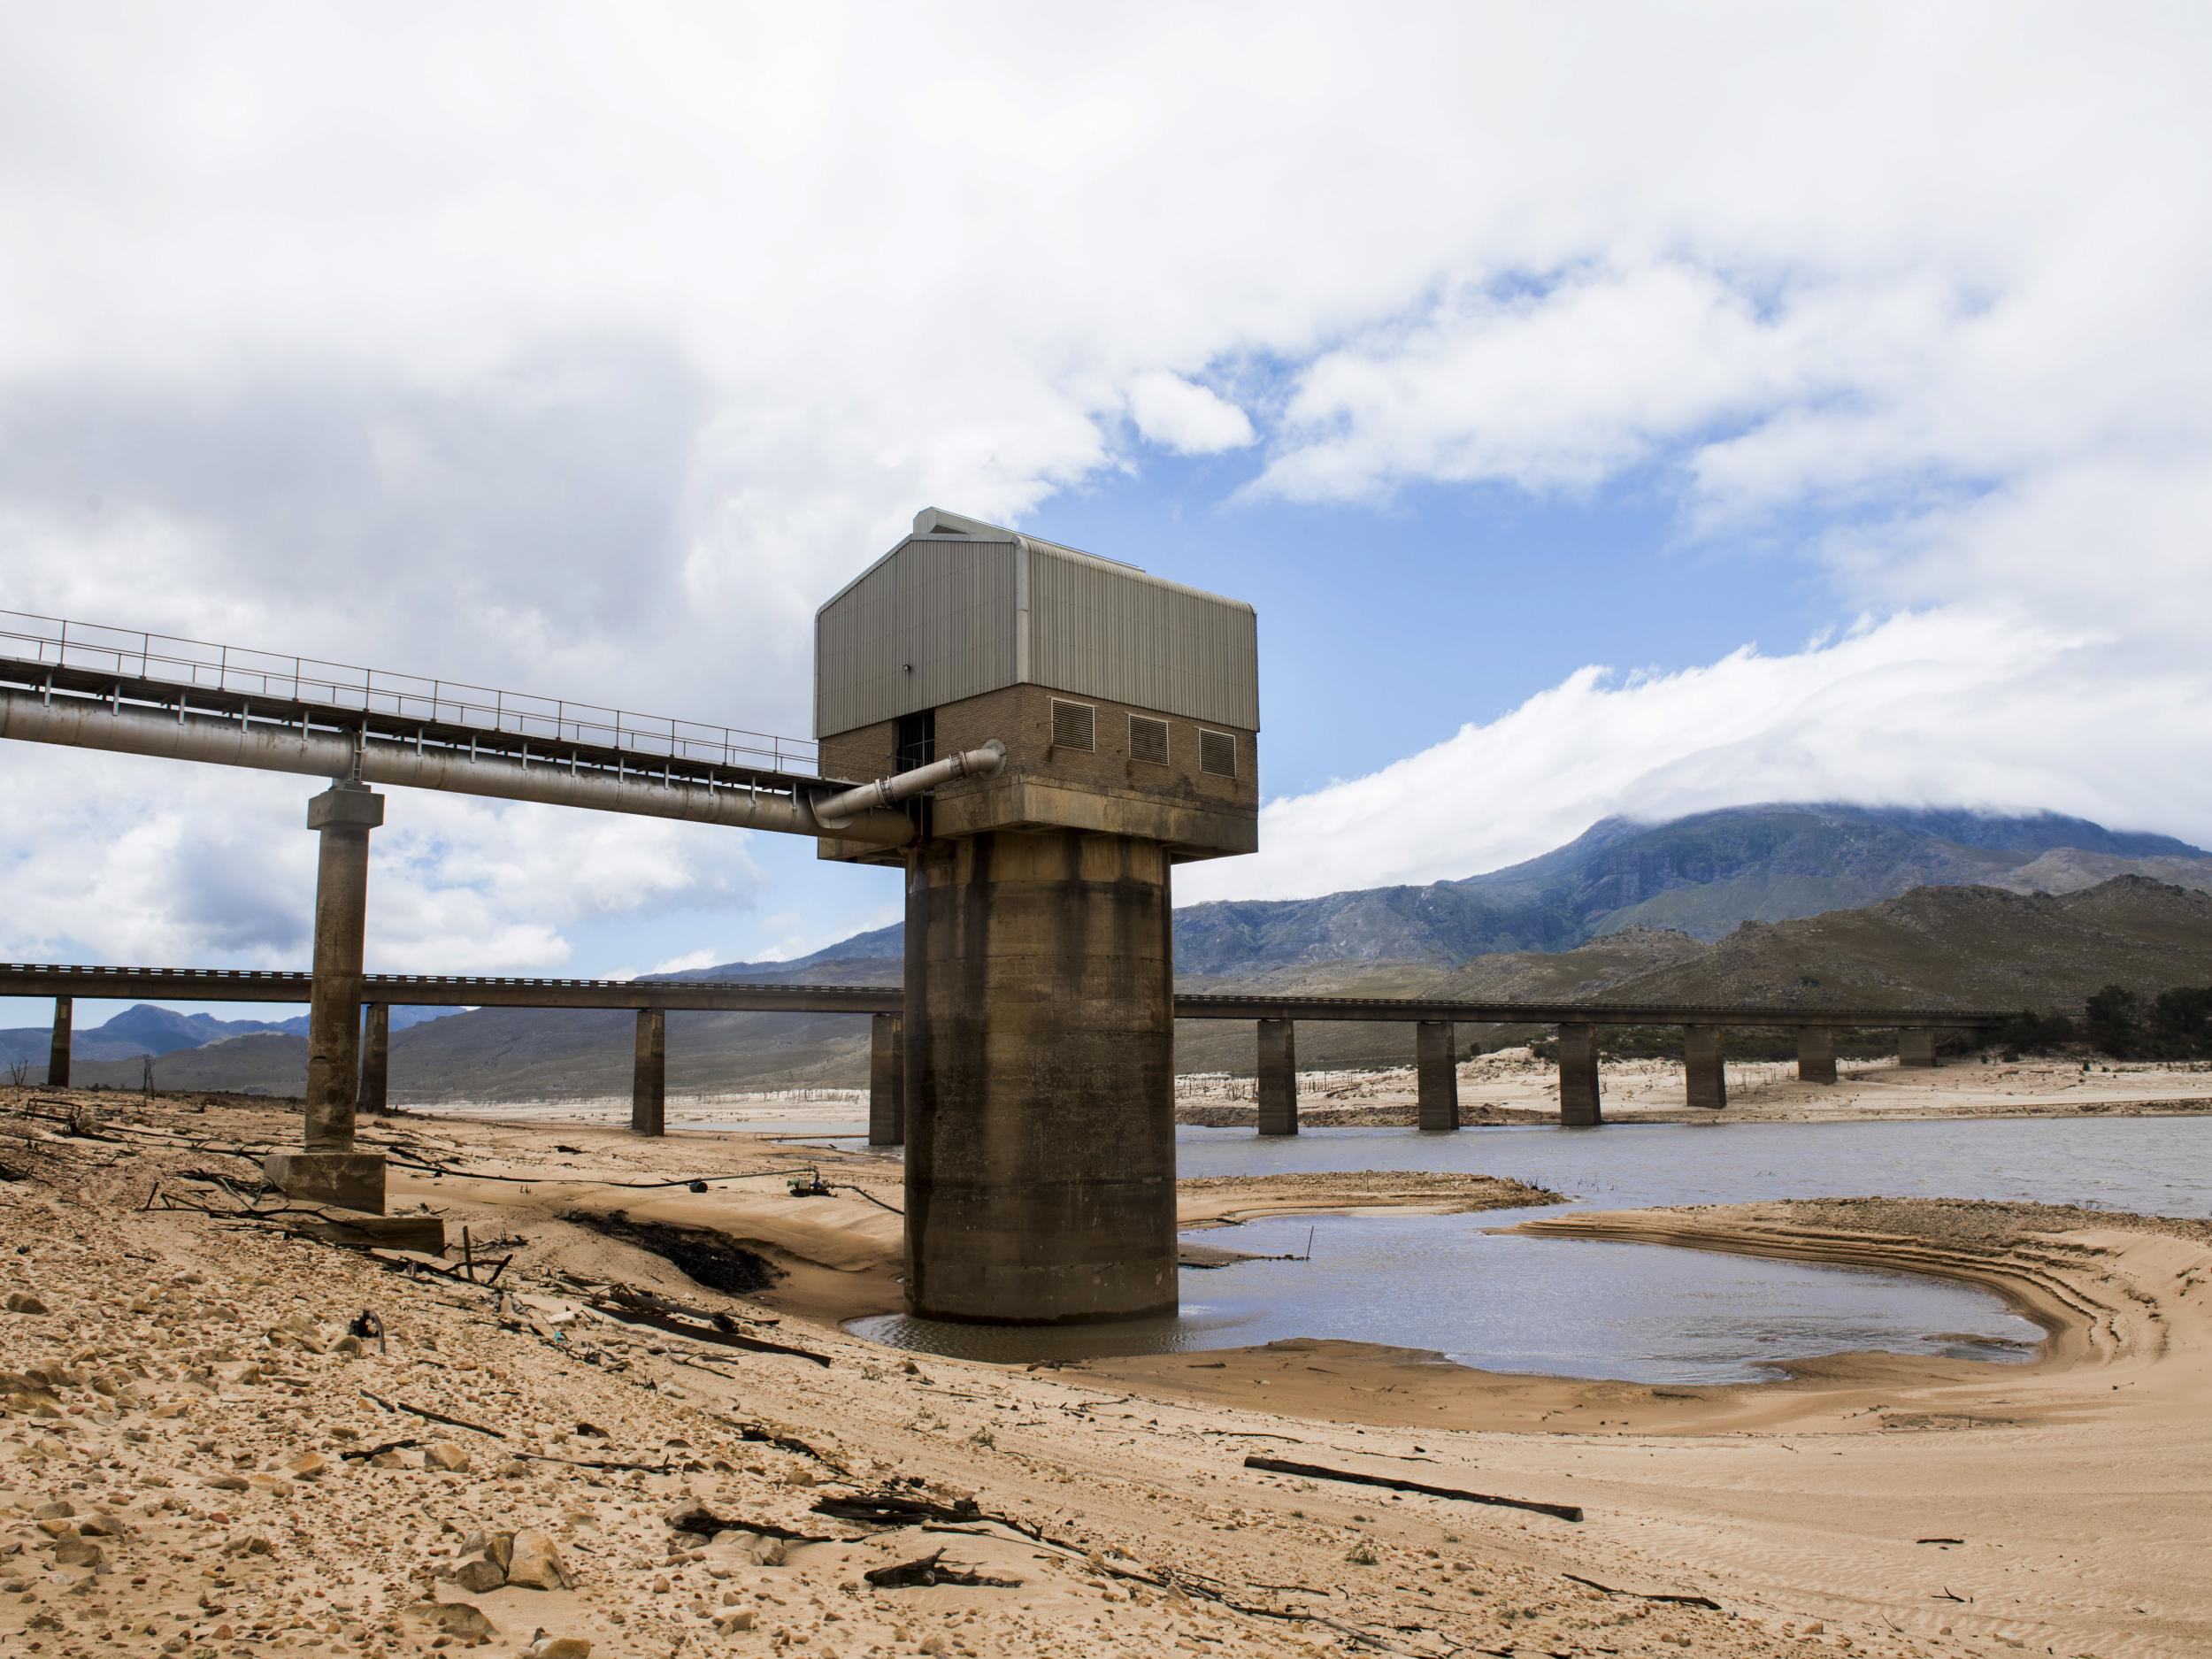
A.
x: 1285, y: 1466
x: 928, y: 1569
x: 431, y: 1417
x: 1645, y: 1595
x: 707, y: 1523
x: 623, y: 1313
x: 362, y: 1454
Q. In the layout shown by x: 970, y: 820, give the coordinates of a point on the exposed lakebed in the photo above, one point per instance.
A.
x: 1594, y: 1308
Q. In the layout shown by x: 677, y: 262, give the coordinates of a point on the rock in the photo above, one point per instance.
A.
x: 54, y: 1527
x: 102, y: 1525
x: 445, y: 1454
x: 308, y: 1466
x: 78, y: 1552
x: 742, y: 1619
x: 536, y: 1564
x: 23, y: 1301
x: 58, y: 1509
x: 499, y: 1547
x: 228, y: 1483
x: 559, y: 1648
x: 475, y: 1572
x: 456, y: 1618
x: 250, y: 1544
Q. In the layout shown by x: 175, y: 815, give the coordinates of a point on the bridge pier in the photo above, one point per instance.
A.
x: 376, y: 1059
x: 1916, y: 1046
x: 58, y: 1056
x: 1437, y: 1075
x: 886, y: 1081
x: 1816, y: 1055
x: 328, y: 1170
x: 649, y: 1074
x: 1706, y: 1076
x: 1276, y: 1080
x: 1041, y: 1118
x: 1578, y: 1104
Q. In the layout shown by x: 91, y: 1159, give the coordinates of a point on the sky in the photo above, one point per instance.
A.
x: 1610, y: 409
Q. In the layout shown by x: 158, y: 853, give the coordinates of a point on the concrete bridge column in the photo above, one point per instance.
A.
x: 1040, y: 1071
x: 648, y: 1075
x: 329, y: 1171
x: 1277, y: 1083
x: 886, y: 1081
x: 58, y: 1056
x: 1579, y: 1107
x: 1437, y: 1075
x: 1916, y: 1047
x: 1816, y: 1055
x: 376, y: 1057
x: 1708, y: 1076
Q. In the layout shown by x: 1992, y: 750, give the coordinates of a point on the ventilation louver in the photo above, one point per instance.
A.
x: 1074, y: 725
x: 1217, y: 754
x: 1147, y: 740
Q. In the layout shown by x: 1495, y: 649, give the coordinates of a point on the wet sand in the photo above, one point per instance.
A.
x: 188, y: 1366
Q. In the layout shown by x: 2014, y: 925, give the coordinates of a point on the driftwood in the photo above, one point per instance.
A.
x: 429, y: 1416
x: 928, y: 1569
x: 892, y: 1509
x: 707, y: 1523
x: 630, y: 1313
x: 1645, y: 1595
x: 1285, y: 1466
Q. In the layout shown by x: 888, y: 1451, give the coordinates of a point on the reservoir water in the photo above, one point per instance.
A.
x: 1645, y: 1313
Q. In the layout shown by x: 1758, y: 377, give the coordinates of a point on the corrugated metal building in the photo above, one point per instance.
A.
x: 1100, y: 679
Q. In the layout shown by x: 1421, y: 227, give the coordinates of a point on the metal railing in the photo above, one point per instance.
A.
x: 191, y: 665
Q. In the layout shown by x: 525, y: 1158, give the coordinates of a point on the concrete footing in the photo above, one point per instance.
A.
x: 58, y: 1056
x: 886, y: 1081
x: 1816, y: 1055
x: 1276, y: 1084
x: 1579, y: 1106
x: 1706, y: 1076
x: 350, y: 1181
x: 376, y: 1059
x: 649, y: 1075
x: 1437, y: 1075
x: 1916, y: 1047
x: 1041, y: 1106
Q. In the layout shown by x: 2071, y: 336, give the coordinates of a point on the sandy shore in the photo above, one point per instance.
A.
x: 190, y: 1394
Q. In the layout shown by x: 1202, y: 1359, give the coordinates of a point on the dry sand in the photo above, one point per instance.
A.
x: 189, y: 1394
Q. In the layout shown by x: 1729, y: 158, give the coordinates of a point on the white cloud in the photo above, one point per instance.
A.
x: 508, y: 344
x: 1189, y: 418
x: 1953, y: 708
x: 689, y: 961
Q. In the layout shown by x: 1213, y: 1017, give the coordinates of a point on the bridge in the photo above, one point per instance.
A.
x: 1275, y: 1018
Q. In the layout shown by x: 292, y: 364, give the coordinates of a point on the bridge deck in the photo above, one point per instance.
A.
x: 223, y: 985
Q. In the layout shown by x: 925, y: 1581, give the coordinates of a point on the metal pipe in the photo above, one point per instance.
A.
x: 79, y: 725
x: 885, y: 792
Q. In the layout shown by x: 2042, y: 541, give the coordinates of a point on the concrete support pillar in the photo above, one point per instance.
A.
x: 1437, y: 1075
x: 1276, y: 1084
x: 886, y: 1081
x: 376, y: 1059
x: 329, y: 1171
x: 1708, y: 1076
x: 648, y: 1075
x: 1040, y: 1061
x: 1579, y: 1107
x: 58, y: 1056
x: 1916, y: 1047
x: 1816, y: 1055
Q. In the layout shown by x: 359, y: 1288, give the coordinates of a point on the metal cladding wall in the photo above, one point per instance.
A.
x: 943, y: 618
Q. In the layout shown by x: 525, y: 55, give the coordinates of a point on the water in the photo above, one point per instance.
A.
x: 1644, y: 1313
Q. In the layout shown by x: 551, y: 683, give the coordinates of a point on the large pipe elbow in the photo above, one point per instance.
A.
x: 985, y: 762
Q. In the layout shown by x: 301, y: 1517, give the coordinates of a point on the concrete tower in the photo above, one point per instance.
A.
x: 1040, y: 976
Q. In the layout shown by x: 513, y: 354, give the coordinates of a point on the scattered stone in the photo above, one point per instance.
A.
x: 308, y: 1466
x: 23, y: 1301
x: 102, y: 1526
x: 78, y: 1552
x: 445, y: 1454
x: 58, y: 1509
x: 559, y: 1648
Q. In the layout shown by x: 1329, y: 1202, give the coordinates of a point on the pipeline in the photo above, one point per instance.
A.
x: 85, y: 724
x: 986, y: 762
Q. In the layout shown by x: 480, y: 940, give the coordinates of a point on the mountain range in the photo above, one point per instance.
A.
x: 1814, y: 903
